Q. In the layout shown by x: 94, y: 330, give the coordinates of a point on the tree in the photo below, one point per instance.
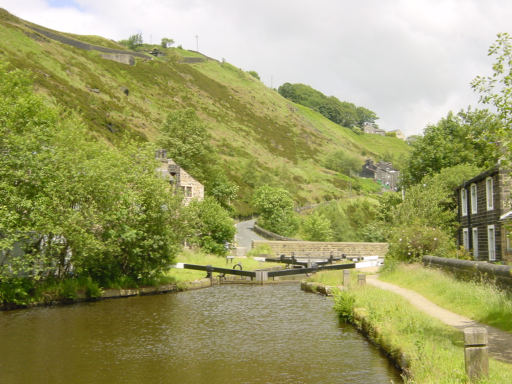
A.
x: 254, y: 74
x: 211, y: 226
x: 76, y: 204
x: 455, y: 139
x: 167, y: 42
x: 275, y: 207
x: 134, y: 41
x: 316, y: 227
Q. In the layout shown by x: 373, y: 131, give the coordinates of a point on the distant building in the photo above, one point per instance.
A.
x: 382, y: 172
x: 373, y: 130
x: 398, y: 133
x: 179, y: 179
x: 484, y: 213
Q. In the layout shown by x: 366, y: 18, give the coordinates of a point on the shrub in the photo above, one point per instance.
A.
x: 316, y: 227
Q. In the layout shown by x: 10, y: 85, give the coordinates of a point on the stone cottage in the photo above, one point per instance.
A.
x: 382, y: 172
x: 485, y: 213
x: 179, y: 179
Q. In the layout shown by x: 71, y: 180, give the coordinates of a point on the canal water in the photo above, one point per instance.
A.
x: 226, y: 334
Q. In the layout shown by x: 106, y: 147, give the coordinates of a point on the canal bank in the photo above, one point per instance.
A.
x: 426, y: 349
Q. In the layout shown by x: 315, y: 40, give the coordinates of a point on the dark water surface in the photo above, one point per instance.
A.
x: 226, y: 334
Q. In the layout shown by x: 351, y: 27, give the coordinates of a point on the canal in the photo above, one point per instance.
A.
x: 226, y: 334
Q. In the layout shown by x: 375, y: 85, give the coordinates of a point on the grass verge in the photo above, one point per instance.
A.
x: 427, y: 350
x: 482, y: 302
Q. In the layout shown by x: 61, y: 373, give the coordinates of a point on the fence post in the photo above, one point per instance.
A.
x: 346, y: 278
x: 361, y: 279
x: 476, y: 352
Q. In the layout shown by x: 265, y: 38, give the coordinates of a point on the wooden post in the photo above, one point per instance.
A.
x: 476, y: 352
x: 346, y: 278
x: 361, y: 279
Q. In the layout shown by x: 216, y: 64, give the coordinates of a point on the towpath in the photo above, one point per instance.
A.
x: 500, y: 342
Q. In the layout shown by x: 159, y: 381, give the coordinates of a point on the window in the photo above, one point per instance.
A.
x: 464, y: 202
x: 475, y: 242
x: 474, y: 201
x: 465, y: 238
x: 489, y: 193
x: 491, y: 242
x: 188, y: 192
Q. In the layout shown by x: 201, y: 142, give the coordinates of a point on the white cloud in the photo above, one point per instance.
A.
x: 409, y: 61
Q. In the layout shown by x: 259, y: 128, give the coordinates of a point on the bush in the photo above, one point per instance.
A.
x: 275, y: 206
x: 316, y: 227
x: 411, y: 242
x: 211, y: 226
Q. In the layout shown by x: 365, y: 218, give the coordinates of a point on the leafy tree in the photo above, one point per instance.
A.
x: 316, y: 227
x: 211, y: 225
x: 275, y: 207
x: 134, y: 41
x: 167, y: 42
x: 340, y: 112
x: 254, y: 74
x: 75, y: 204
x: 187, y: 141
x: 455, y: 139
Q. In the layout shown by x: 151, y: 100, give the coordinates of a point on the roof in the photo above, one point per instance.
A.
x: 480, y: 176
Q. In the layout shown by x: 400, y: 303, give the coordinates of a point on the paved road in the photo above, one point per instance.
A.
x: 500, y: 342
x: 245, y: 235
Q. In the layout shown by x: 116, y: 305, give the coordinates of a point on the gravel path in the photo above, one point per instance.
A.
x: 500, y: 342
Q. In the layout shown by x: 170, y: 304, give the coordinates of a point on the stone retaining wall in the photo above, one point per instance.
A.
x: 473, y: 270
x: 317, y: 248
x: 270, y: 235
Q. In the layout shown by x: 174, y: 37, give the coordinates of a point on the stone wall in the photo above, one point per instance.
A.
x: 473, y: 270
x: 324, y: 249
x: 120, y: 58
x: 270, y: 235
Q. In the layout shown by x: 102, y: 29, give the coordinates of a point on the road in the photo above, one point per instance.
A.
x: 245, y: 235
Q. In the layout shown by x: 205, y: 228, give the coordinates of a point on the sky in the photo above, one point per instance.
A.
x: 410, y: 61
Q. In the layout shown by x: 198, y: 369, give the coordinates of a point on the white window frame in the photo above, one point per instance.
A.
x: 491, y: 242
x: 465, y: 238
x: 489, y: 193
x: 474, y: 198
x: 474, y: 239
x: 464, y: 202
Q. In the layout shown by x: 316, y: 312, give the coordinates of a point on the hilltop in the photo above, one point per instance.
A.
x: 261, y: 137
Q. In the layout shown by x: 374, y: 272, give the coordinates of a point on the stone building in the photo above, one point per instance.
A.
x: 484, y: 213
x: 179, y: 179
x: 373, y: 130
x: 382, y: 172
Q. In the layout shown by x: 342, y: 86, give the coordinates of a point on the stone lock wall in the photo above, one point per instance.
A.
x: 324, y: 249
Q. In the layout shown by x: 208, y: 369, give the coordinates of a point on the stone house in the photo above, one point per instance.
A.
x: 484, y: 207
x: 179, y: 179
x: 398, y: 133
x: 382, y: 172
x: 373, y: 130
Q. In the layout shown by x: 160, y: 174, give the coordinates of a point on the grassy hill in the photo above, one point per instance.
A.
x: 260, y: 136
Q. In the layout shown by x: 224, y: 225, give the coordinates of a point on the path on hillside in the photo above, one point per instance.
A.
x: 500, y: 342
x: 245, y: 235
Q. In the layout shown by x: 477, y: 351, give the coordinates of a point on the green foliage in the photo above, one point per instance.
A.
x: 166, y: 42
x: 76, y: 204
x: 316, y: 227
x: 211, y: 226
x: 344, y: 302
x: 275, y: 207
x: 261, y: 249
x: 349, y: 218
x: 134, y: 41
x: 254, y: 74
x: 187, y: 141
x: 342, y: 162
x: 341, y: 112
x: 455, y: 139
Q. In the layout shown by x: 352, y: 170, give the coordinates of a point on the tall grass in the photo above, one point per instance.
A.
x: 479, y: 301
x: 432, y: 351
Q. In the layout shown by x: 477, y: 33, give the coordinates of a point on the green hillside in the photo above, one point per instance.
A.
x: 261, y: 137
